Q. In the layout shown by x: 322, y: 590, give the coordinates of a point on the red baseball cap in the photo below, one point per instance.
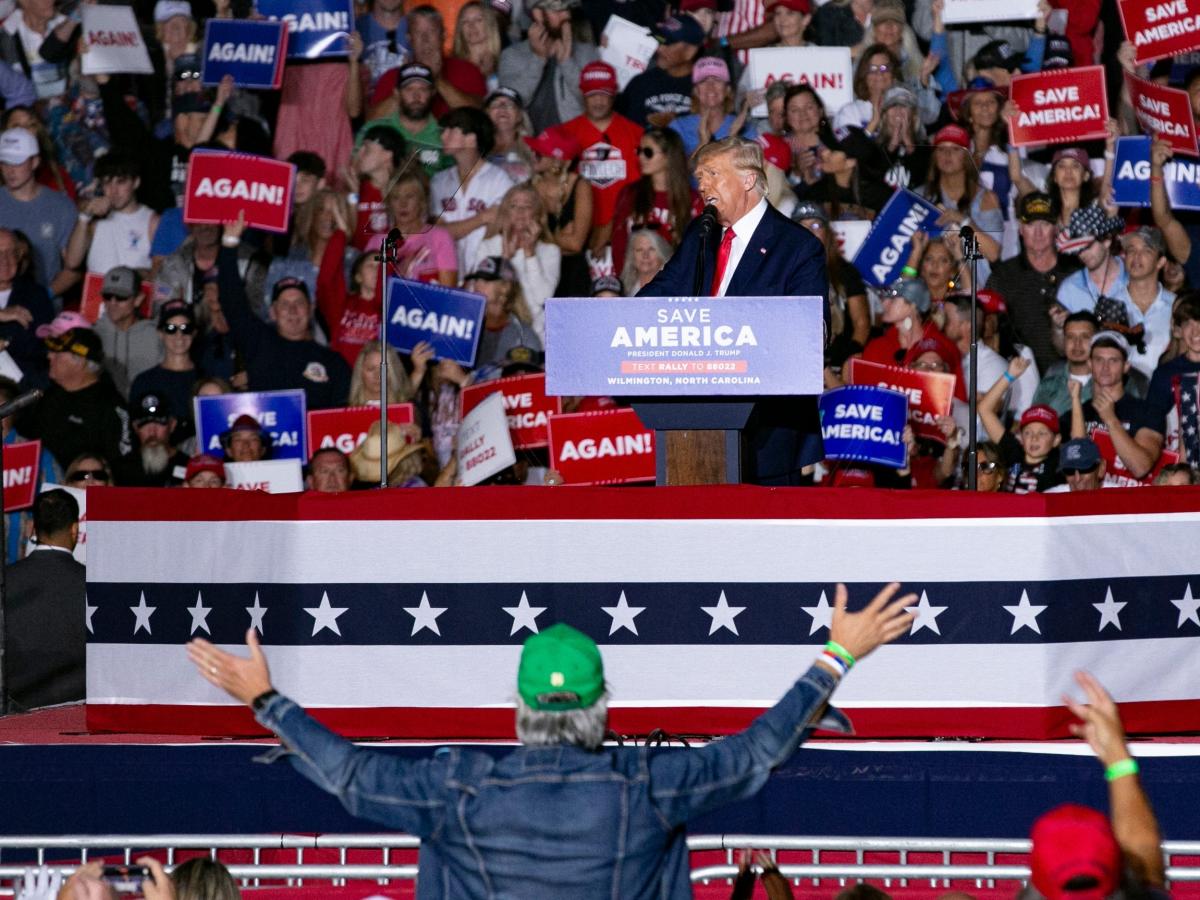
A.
x: 204, y: 463
x: 1041, y: 413
x: 800, y: 6
x: 555, y: 143
x: 953, y: 134
x: 991, y: 301
x: 598, y: 78
x: 688, y: 6
x: 1073, y: 842
x: 776, y: 150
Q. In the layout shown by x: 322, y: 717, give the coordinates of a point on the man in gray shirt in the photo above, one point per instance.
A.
x: 46, y: 217
x: 131, y: 345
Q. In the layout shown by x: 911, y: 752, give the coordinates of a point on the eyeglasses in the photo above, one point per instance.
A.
x: 188, y: 75
x: 88, y: 475
x: 878, y: 70
x: 648, y: 152
x: 185, y: 328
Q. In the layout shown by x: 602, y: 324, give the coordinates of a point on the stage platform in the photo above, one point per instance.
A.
x: 55, y: 778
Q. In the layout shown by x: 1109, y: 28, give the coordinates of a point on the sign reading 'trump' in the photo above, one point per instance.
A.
x: 220, y: 185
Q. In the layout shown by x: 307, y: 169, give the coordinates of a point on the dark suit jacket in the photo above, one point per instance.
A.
x: 47, y: 643
x: 783, y: 259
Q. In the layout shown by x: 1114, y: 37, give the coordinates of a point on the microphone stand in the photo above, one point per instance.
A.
x: 970, y: 248
x: 389, y: 257
x: 708, y: 220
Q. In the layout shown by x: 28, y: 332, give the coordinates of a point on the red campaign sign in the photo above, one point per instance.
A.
x: 91, y: 304
x: 1159, y: 29
x: 930, y: 394
x: 611, y: 447
x: 345, y: 428
x: 1164, y: 112
x: 1115, y: 473
x: 1060, y: 106
x: 525, y: 403
x: 21, y: 463
x: 221, y: 184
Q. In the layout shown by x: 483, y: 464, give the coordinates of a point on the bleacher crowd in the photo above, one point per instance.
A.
x: 515, y: 165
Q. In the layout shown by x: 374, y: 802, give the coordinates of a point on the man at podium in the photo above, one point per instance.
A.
x: 755, y: 252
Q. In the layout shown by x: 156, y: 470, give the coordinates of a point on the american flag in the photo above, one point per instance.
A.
x: 402, y: 613
x: 1187, y: 389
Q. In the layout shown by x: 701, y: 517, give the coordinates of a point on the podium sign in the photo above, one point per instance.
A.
x: 684, y: 346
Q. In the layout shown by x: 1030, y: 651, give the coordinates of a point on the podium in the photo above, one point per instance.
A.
x: 693, y: 368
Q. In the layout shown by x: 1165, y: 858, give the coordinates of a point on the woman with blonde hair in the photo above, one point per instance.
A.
x: 521, y: 236
x: 364, y: 379
x: 568, y: 201
x: 507, y: 112
x: 316, y: 221
x: 712, y: 117
x: 477, y: 39
x: 428, y: 253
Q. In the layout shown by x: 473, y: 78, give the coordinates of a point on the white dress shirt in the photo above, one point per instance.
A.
x: 743, y: 230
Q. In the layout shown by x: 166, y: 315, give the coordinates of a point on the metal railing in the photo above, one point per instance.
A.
x: 816, y: 870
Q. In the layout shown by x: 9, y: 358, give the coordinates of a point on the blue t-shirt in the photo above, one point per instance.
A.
x: 47, y: 220
x: 382, y: 51
x: 688, y: 128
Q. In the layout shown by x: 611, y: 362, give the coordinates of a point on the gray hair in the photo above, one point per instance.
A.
x: 628, y: 273
x: 578, y: 727
x: 745, y: 156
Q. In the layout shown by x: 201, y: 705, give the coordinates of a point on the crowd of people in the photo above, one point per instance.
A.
x: 517, y: 165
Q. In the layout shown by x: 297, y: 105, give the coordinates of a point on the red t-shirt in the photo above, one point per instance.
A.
x: 372, y: 214
x: 660, y: 214
x: 608, y: 162
x: 352, y: 319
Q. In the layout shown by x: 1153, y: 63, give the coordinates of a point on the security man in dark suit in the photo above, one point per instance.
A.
x: 760, y: 253
x: 44, y: 611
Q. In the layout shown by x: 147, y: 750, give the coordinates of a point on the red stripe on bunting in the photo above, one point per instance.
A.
x: 431, y: 723
x: 637, y: 504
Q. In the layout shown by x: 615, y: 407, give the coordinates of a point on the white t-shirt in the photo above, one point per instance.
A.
x: 49, y: 79
x: 452, y: 203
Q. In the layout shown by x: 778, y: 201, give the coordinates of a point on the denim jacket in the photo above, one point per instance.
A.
x: 556, y: 821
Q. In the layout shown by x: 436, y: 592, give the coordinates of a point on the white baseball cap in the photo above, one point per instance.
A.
x: 16, y: 146
x: 169, y: 9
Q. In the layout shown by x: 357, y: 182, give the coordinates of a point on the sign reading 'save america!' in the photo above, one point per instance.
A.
x: 1161, y: 28
x: 1059, y: 106
x: 220, y: 185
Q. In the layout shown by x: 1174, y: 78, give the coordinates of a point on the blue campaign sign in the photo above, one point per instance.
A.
x: 885, y: 251
x: 865, y: 424
x: 252, y: 52
x: 280, y: 413
x: 1131, y: 176
x: 449, y: 319
x: 684, y: 346
x: 316, y: 28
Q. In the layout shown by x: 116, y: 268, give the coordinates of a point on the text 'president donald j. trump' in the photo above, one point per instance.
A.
x: 760, y: 253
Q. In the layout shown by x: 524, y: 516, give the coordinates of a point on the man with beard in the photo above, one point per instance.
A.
x: 414, y: 117
x: 153, y: 461
x: 545, y: 68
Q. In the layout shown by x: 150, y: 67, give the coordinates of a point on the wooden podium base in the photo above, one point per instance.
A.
x: 698, y: 457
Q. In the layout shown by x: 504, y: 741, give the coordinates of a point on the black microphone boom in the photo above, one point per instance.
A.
x: 19, y: 403
x: 708, y: 220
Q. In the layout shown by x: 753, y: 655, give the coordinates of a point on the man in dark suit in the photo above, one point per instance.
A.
x: 758, y: 253
x: 45, y: 611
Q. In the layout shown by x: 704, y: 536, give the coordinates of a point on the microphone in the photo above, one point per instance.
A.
x: 394, y: 237
x: 967, y: 236
x: 708, y: 220
x: 19, y: 403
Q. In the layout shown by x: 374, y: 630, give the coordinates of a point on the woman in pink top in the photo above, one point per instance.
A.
x: 428, y: 252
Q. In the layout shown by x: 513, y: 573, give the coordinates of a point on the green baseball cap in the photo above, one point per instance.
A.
x: 560, y: 669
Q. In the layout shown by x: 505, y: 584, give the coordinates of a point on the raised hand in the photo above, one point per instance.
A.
x: 239, y: 677
x: 882, y: 620
x: 1099, y: 720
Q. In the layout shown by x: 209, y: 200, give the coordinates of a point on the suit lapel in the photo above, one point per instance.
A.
x: 753, y: 259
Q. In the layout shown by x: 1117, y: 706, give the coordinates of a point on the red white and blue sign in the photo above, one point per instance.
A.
x: 449, y: 319
x: 885, y: 251
x: 317, y: 29
x: 1131, y: 176
x: 254, y: 53
x: 279, y: 413
x: 865, y: 424
x: 680, y: 346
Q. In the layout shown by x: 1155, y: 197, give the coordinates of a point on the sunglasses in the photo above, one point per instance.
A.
x: 188, y: 75
x: 648, y: 152
x: 88, y: 475
x: 986, y: 466
x: 173, y: 328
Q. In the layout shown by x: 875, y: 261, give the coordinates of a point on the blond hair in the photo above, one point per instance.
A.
x: 746, y: 156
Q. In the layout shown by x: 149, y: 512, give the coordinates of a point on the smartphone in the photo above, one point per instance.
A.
x: 125, y: 879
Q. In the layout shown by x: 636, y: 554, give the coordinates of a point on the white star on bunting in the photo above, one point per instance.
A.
x: 822, y: 614
x: 199, y: 614
x: 723, y: 615
x: 623, y: 615
x: 1188, y: 606
x: 1110, y: 611
x: 524, y: 615
x: 325, y: 615
x: 1025, y: 614
x: 88, y: 612
x: 926, y: 615
x: 142, y: 612
x: 425, y: 616
x: 257, y: 611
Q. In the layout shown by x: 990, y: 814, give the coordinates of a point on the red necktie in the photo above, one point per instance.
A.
x: 722, y: 260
